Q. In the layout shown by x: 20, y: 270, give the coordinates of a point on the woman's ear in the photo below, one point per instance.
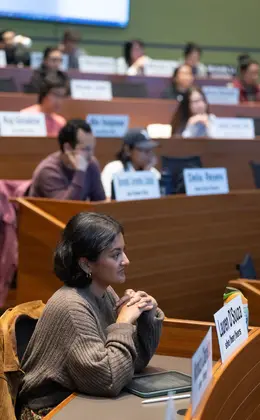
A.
x: 126, y: 150
x: 83, y: 263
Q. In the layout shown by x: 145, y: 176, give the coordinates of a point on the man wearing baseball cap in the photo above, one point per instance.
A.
x: 137, y: 154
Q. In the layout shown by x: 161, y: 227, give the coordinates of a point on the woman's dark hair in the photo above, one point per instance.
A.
x: 244, y: 62
x: 68, y: 133
x: 128, y: 48
x: 86, y: 235
x: 190, y: 47
x: 182, y: 114
x: 50, y: 82
x: 177, y: 70
x: 48, y: 51
x: 123, y: 154
x: 71, y: 36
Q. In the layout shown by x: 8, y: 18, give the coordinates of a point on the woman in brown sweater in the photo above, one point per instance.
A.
x: 88, y: 340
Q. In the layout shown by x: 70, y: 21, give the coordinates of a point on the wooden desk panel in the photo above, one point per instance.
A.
x: 20, y: 156
x: 183, y: 249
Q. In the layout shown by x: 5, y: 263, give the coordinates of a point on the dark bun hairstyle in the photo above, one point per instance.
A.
x: 86, y: 235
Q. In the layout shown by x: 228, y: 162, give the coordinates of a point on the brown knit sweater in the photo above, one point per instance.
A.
x: 78, y: 347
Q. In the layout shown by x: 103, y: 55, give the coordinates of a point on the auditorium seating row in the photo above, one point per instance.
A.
x: 183, y: 250
x: 16, y: 79
x: 20, y: 156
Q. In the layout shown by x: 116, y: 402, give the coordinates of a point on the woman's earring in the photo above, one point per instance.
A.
x: 84, y: 266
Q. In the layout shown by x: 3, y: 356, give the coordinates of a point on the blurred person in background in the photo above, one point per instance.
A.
x: 192, y: 54
x: 192, y: 118
x: 136, y: 154
x: 50, y: 100
x: 52, y: 60
x: 135, y: 58
x: 16, y: 48
x: 248, y: 79
x: 73, y: 172
x: 70, y: 47
x: 182, y: 80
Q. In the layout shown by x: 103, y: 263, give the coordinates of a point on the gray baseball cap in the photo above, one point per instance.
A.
x: 138, y: 137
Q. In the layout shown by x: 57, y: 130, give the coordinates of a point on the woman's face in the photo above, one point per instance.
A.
x: 251, y: 74
x: 184, y: 78
x: 142, y: 158
x: 197, y: 104
x: 54, y: 60
x: 111, y: 264
x: 137, y: 51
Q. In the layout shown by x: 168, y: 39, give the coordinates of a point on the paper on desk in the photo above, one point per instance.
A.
x: 170, y: 408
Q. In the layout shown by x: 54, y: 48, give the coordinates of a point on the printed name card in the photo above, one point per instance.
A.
x: 160, y: 68
x: 206, y: 181
x: 137, y: 185
x: 17, y: 124
x: 221, y: 71
x: 95, y: 64
x: 221, y: 95
x: 231, y: 327
x: 233, y: 128
x: 93, y: 90
x: 201, y: 370
x: 108, y: 125
x: 3, y: 62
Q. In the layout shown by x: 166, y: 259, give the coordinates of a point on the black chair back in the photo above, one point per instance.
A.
x: 256, y: 172
x: 24, y: 328
x: 8, y: 85
x: 129, y: 90
x: 246, y: 268
x: 175, y: 166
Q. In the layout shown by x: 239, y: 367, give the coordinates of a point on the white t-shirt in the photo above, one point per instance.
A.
x: 115, y: 167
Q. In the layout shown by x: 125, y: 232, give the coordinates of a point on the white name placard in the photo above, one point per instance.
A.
x: 221, y: 95
x: 138, y: 185
x: 3, y: 62
x: 231, y: 327
x: 160, y: 68
x: 93, y: 90
x: 108, y: 125
x: 206, y: 181
x: 36, y: 58
x: 20, y: 124
x: 201, y: 363
x: 221, y: 71
x: 233, y: 128
x: 96, y: 64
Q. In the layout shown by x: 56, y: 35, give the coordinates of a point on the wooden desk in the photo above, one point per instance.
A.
x: 20, y: 156
x: 153, y: 85
x: 141, y: 111
x: 183, y: 249
x: 234, y: 391
x: 125, y: 406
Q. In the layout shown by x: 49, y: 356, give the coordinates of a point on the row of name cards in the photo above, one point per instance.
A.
x: 93, y: 90
x: 232, y: 333
x: 20, y: 124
